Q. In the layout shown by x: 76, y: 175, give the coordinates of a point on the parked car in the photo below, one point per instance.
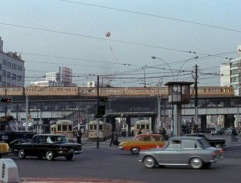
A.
x: 49, y: 146
x: 218, y: 131
x: 228, y: 131
x: 193, y: 151
x: 143, y: 142
x: 4, y: 149
x: 215, y: 142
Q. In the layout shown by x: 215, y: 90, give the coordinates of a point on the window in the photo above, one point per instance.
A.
x: 8, y: 75
x: 4, y: 73
x: 58, y: 127
x: 64, y: 127
x: 145, y: 138
x: 189, y: 144
x: 13, y: 76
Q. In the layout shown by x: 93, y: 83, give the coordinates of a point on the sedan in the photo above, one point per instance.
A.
x: 49, y: 146
x: 193, y: 151
x: 142, y: 142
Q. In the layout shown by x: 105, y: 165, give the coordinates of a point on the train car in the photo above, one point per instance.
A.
x: 13, y: 91
x: 143, y: 125
x: 51, y: 91
x: 105, y: 130
x: 63, y: 127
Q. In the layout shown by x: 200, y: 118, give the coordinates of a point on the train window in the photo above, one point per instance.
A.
x: 91, y: 127
x: 147, y: 126
x: 70, y: 127
x: 142, y: 126
x: 58, y: 127
x: 64, y: 127
x: 138, y: 126
x: 100, y: 127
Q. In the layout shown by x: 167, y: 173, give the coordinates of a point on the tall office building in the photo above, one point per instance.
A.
x: 235, y: 72
x: 12, y: 70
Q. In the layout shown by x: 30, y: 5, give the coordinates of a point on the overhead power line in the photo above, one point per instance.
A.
x: 156, y: 16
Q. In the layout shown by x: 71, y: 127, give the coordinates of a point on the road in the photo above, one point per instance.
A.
x: 111, y: 163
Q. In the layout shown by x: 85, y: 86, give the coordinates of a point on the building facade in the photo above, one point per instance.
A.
x: 12, y: 70
x: 61, y: 78
x: 231, y: 73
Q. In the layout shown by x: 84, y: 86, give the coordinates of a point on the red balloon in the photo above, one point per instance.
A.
x: 107, y: 34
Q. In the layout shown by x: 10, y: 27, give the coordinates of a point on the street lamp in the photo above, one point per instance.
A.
x: 184, y: 64
x: 154, y: 57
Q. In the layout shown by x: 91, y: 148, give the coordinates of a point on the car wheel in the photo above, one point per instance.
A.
x: 21, y: 154
x: 50, y: 155
x: 149, y: 162
x: 196, y: 163
x: 135, y: 150
x: 206, y: 165
x: 69, y: 157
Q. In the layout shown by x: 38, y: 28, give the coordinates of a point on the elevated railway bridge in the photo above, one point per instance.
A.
x: 217, y: 106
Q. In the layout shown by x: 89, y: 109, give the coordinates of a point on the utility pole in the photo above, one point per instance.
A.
x: 97, y: 111
x: 196, y: 95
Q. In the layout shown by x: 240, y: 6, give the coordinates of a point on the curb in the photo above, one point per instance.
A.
x: 72, y: 180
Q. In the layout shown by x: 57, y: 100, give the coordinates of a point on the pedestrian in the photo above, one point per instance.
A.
x: 234, y: 135
x: 114, y: 139
x: 79, y: 136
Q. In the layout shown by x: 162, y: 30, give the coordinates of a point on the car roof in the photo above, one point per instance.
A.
x: 186, y: 138
x: 45, y: 135
x: 141, y: 135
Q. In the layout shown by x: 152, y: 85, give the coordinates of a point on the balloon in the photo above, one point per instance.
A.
x: 107, y: 34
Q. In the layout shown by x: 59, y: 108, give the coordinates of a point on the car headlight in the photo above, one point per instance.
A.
x: 4, y: 137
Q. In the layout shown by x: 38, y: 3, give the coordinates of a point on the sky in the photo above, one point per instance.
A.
x: 180, y: 34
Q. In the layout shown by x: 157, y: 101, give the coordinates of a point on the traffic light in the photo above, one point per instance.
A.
x: 6, y: 100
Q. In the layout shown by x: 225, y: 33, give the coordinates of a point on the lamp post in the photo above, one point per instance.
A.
x: 184, y: 64
x: 154, y: 57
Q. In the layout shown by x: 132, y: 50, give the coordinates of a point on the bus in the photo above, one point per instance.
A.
x: 105, y: 130
x: 63, y: 127
x: 144, y: 125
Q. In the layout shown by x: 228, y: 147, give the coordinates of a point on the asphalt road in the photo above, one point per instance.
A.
x: 111, y: 163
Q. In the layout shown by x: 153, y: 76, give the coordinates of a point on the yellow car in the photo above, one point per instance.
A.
x: 4, y: 149
x: 143, y: 142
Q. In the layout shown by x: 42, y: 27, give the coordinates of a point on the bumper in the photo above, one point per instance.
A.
x: 69, y: 152
x: 121, y: 148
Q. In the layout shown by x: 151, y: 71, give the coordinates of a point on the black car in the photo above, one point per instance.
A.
x: 215, y: 142
x: 49, y: 146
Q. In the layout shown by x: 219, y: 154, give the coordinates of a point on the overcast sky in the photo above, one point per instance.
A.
x: 72, y: 33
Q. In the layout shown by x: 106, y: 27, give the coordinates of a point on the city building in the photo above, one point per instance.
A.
x: 225, y: 74
x: 61, y: 78
x: 231, y: 73
x: 12, y: 70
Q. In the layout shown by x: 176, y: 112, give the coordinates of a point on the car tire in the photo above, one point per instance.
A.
x: 69, y: 157
x: 149, y: 162
x: 21, y: 154
x: 196, y: 163
x: 50, y: 155
x: 135, y: 150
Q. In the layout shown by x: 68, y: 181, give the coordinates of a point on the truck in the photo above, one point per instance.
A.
x: 9, y: 132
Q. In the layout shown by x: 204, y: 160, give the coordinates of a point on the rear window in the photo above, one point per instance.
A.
x: 204, y: 143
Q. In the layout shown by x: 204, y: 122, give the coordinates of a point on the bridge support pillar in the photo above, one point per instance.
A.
x: 204, y: 123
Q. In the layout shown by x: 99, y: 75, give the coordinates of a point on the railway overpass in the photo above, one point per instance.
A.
x: 42, y: 110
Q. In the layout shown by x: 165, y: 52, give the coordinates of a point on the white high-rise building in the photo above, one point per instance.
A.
x: 235, y: 72
x: 12, y: 70
x: 225, y: 74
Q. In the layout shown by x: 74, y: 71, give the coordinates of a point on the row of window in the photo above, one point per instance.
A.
x: 9, y: 75
x: 10, y: 65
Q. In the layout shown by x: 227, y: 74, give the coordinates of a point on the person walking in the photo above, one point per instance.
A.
x: 79, y: 136
x: 234, y: 135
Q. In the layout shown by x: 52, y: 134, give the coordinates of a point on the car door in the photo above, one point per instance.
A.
x: 171, y: 154
x: 189, y: 149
